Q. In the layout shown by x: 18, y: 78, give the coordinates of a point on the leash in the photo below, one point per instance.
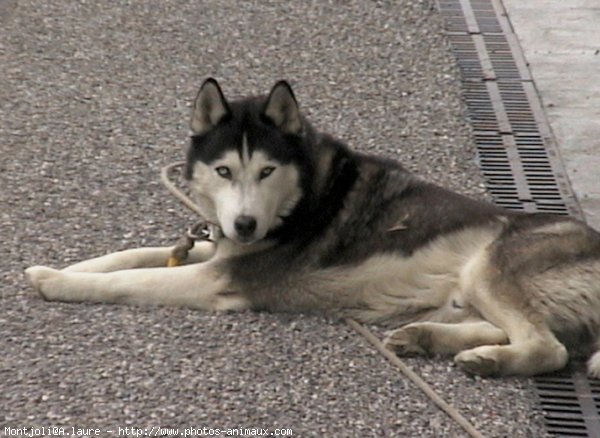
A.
x: 204, y: 230
x: 414, y: 377
x: 201, y: 230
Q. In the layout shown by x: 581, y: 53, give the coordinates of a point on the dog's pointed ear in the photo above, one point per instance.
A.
x: 210, y: 107
x: 282, y: 109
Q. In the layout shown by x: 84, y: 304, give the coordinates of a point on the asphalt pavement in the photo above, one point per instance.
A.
x: 94, y: 100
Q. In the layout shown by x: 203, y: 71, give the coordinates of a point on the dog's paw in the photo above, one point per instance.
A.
x: 44, y: 280
x: 482, y: 361
x: 408, y: 341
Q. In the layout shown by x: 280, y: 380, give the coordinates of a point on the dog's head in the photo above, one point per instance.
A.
x: 245, y: 160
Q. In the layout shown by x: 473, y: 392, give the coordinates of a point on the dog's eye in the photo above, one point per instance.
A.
x: 266, y: 172
x: 223, y: 172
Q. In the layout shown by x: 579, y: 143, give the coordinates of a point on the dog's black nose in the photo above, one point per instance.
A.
x: 245, y: 225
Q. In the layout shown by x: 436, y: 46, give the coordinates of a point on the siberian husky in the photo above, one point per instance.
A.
x: 310, y: 226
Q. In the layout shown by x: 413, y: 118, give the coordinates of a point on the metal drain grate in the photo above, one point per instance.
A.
x: 516, y: 151
x: 521, y: 167
x: 571, y: 403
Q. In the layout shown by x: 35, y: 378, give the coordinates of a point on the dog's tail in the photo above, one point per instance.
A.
x: 593, y: 363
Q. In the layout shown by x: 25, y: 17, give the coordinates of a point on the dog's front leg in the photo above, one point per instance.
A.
x: 198, y: 286
x: 152, y: 257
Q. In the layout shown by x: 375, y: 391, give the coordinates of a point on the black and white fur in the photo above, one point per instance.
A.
x: 310, y: 225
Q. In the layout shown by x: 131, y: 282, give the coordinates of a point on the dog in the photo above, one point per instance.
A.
x: 309, y: 225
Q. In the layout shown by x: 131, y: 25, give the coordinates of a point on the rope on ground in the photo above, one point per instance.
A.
x: 164, y: 178
x: 414, y: 377
x: 359, y: 328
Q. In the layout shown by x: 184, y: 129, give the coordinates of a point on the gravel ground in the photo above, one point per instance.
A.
x: 94, y: 99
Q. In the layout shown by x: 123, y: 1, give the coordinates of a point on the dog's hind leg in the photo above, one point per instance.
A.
x: 533, y: 348
x: 431, y: 338
x: 152, y: 257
